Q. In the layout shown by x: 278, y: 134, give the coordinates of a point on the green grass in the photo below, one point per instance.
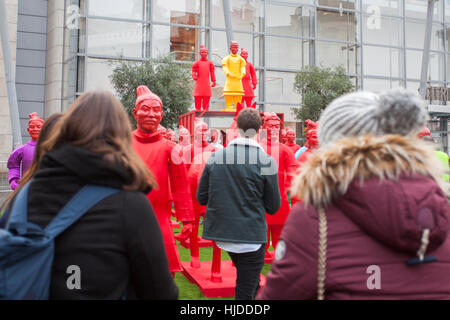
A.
x: 190, y: 291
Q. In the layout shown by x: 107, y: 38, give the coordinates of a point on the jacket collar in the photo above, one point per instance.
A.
x: 328, y: 172
x: 245, y: 142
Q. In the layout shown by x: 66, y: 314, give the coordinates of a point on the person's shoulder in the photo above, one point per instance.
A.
x: 132, y: 202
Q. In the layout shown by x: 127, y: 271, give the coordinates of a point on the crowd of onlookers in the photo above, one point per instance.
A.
x: 369, y: 216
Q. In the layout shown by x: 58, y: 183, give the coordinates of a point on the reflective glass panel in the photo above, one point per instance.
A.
x: 292, y: 21
x: 182, y: 42
x: 286, y: 53
x: 189, y: 12
x: 385, y: 30
x: 129, y: 9
x: 114, y: 38
x: 335, y: 25
x: 381, y: 61
x: 333, y: 54
x: 280, y: 87
x: 376, y: 8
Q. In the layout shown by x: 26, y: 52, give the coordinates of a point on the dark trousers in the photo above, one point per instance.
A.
x: 248, y: 267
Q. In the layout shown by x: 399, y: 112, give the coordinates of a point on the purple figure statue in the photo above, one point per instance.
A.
x: 23, y: 156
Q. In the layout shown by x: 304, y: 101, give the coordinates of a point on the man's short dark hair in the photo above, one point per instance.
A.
x: 249, y: 121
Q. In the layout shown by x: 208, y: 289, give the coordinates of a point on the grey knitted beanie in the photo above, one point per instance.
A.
x: 397, y: 111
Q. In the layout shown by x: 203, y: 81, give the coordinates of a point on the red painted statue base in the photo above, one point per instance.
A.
x: 202, y: 243
x: 202, y: 278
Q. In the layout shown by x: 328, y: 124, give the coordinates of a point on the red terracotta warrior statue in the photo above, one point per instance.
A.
x: 290, y: 140
x: 249, y: 82
x: 312, y: 141
x: 201, y: 132
x: 171, y: 135
x: 184, y: 137
x: 163, y: 159
x: 202, y: 71
x: 286, y: 171
x: 162, y: 131
x: 283, y: 137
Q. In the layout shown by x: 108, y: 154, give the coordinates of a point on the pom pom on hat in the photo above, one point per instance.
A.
x: 424, y: 132
x: 144, y: 93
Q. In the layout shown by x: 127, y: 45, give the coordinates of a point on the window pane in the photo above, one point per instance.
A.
x: 286, y: 53
x: 291, y: 21
x: 280, y: 87
x: 247, y: 15
x: 385, y: 30
x: 289, y: 115
x: 251, y: 43
x: 178, y: 11
x: 217, y: 17
x: 379, y: 85
x: 220, y: 50
x: 382, y: 7
x: 115, y: 38
x: 436, y: 68
x: 334, y: 54
x: 413, y: 64
x: 415, y: 35
x: 98, y: 72
x: 336, y: 26
x: 129, y: 9
x: 380, y: 61
x: 418, y: 9
x: 183, y: 42
x: 70, y: 78
x: 345, y: 4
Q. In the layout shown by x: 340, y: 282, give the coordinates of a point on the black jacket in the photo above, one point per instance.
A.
x: 239, y: 185
x: 117, y: 244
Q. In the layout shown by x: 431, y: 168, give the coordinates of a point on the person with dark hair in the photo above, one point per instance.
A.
x: 92, y: 144
x: 238, y: 185
x: 373, y: 223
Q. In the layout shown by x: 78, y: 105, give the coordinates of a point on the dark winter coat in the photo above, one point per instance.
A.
x: 238, y: 185
x: 379, y: 195
x: 117, y: 244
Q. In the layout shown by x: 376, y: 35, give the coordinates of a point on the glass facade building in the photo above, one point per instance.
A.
x: 379, y: 42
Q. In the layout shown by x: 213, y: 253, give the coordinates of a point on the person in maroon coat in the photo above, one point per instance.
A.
x: 374, y: 221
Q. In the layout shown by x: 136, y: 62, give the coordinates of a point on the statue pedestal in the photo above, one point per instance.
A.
x: 202, y: 243
x: 202, y: 278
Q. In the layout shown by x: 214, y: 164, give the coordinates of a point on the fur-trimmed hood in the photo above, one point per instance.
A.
x: 391, y: 186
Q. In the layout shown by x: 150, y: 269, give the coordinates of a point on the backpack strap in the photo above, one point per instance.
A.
x: 18, y: 214
x: 80, y: 203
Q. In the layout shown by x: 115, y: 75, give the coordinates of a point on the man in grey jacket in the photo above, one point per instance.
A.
x: 239, y: 185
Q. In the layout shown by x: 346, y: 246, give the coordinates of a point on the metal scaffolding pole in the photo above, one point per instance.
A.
x: 426, y: 49
x: 228, y: 24
x: 10, y: 77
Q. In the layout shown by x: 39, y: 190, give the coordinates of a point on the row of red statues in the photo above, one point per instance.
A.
x: 240, y: 81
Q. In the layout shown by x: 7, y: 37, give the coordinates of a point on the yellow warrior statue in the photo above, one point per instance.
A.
x: 233, y: 66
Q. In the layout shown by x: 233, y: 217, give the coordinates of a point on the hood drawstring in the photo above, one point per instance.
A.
x: 421, y: 258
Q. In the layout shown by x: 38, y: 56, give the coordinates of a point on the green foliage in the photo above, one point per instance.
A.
x: 171, y: 81
x: 318, y: 87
